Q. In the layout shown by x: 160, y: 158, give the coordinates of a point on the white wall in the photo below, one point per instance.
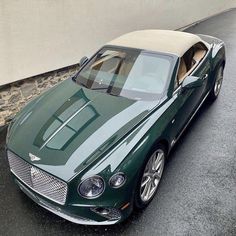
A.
x: 37, y: 36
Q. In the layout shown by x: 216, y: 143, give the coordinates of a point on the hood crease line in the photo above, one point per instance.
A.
x: 63, y: 125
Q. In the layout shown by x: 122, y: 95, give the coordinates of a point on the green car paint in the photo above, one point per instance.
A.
x: 78, y: 133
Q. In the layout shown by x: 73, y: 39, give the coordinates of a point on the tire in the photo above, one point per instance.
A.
x: 150, y: 175
x: 217, y: 84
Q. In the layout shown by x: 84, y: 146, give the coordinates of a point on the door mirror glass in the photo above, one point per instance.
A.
x: 83, y: 60
x: 192, y: 82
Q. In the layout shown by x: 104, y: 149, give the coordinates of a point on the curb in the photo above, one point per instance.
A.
x: 183, y: 28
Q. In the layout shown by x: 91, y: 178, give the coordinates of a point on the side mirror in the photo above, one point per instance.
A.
x: 82, y: 61
x: 192, y: 82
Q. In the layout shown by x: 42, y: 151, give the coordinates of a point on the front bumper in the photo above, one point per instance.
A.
x: 89, y: 217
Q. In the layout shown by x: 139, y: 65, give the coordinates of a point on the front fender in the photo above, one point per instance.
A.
x: 127, y: 157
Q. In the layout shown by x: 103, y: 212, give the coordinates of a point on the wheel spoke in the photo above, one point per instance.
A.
x: 147, y: 174
x: 157, y: 175
x: 154, y: 161
x: 149, y: 189
x: 158, y: 161
x: 146, y: 190
x: 145, y: 181
x: 149, y: 165
x: 152, y: 190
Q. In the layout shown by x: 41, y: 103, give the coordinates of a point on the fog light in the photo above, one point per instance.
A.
x: 109, y: 213
x: 104, y: 211
x: 117, y: 180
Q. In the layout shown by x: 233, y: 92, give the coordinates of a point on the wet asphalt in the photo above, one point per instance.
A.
x: 197, y: 195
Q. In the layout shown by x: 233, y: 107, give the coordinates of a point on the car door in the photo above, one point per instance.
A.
x: 186, y: 102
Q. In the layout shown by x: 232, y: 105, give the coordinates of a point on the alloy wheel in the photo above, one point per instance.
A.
x: 218, y: 82
x: 152, y: 175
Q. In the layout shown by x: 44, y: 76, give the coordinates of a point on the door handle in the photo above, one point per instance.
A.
x: 205, y: 77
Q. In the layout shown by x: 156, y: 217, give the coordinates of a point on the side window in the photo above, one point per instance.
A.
x: 190, y: 60
x: 200, y: 51
x: 185, y: 64
x: 182, y: 70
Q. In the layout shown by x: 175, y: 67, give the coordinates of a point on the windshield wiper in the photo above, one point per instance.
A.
x: 82, y: 84
x: 74, y: 77
x: 115, y: 95
x: 100, y: 88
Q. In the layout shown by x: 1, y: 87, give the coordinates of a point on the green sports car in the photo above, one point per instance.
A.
x: 94, y: 147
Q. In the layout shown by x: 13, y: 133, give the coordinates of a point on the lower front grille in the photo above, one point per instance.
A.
x: 38, y: 180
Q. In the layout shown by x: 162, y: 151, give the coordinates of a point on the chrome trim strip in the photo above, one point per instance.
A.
x: 63, y: 125
x: 177, y: 90
x: 191, y: 118
x: 176, y: 77
x: 82, y: 205
x: 78, y: 220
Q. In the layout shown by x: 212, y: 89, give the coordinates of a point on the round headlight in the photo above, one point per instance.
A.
x: 91, y: 187
x: 117, y: 180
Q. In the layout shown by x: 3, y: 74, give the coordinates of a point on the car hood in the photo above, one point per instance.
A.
x: 69, y: 126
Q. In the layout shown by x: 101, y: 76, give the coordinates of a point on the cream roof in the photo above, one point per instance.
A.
x: 167, y: 41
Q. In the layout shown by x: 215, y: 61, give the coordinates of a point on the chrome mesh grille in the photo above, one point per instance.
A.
x: 41, y: 182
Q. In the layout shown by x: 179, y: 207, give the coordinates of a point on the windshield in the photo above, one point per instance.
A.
x: 128, y: 73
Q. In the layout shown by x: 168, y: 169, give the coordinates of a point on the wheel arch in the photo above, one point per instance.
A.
x: 165, y: 143
x: 218, y: 56
x: 223, y: 63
